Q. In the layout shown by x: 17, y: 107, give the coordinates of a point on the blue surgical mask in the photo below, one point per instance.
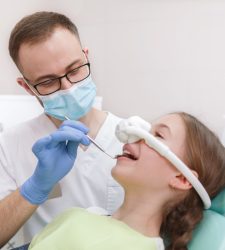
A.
x: 73, y: 103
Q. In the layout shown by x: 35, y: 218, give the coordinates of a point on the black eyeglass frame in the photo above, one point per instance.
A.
x: 59, y: 78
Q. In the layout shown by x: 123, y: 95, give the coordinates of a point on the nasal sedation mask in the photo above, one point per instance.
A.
x: 135, y: 128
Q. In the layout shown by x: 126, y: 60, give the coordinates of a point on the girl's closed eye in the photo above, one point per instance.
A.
x: 159, y: 135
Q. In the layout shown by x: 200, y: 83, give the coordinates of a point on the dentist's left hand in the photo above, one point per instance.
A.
x: 56, y: 154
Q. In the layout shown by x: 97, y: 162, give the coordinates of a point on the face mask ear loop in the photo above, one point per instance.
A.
x: 36, y: 95
x: 169, y: 155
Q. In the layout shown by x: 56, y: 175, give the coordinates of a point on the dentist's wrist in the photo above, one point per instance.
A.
x: 32, y: 193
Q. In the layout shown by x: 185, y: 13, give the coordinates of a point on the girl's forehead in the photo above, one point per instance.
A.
x: 170, y: 120
x: 173, y: 123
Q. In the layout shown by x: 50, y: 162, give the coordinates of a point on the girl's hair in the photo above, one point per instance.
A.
x: 205, y: 154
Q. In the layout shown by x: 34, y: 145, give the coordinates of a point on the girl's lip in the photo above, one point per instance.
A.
x: 128, y: 150
x: 123, y: 157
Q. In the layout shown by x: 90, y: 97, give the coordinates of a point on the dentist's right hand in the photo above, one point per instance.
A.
x: 56, y: 154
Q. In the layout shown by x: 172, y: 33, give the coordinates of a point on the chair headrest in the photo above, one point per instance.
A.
x: 209, y: 234
x: 218, y: 203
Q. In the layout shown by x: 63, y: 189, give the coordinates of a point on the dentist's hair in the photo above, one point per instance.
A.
x: 205, y: 154
x: 36, y: 28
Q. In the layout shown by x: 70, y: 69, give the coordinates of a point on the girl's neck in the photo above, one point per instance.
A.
x: 142, y: 216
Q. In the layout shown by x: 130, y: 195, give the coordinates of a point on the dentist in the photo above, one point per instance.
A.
x: 46, y: 48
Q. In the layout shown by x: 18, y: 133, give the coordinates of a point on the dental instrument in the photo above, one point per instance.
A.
x: 135, y: 128
x: 96, y: 144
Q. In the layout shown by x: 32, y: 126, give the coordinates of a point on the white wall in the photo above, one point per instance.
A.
x: 148, y: 57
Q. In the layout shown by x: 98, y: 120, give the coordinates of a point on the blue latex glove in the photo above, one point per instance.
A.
x: 56, y: 154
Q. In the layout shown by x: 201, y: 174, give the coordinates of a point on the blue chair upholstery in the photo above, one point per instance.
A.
x: 210, y: 233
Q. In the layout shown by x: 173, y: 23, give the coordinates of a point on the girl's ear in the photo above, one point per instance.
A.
x: 23, y: 84
x: 180, y: 182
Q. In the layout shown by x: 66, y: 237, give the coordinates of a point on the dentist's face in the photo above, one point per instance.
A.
x: 59, y: 54
x: 142, y: 167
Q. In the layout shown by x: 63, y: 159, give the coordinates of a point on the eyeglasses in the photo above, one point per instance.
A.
x: 52, y: 85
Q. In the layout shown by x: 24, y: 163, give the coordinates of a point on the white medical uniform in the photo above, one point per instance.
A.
x: 89, y: 183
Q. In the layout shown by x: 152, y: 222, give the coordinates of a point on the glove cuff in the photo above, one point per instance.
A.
x: 32, y: 193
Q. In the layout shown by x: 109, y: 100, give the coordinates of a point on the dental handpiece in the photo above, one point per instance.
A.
x: 95, y: 143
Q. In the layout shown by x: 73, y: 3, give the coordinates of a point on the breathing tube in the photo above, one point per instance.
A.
x: 135, y: 128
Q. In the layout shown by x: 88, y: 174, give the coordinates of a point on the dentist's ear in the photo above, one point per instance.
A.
x: 23, y: 84
x: 180, y: 182
x: 86, y: 51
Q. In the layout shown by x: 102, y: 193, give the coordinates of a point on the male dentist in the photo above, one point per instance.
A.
x: 46, y: 48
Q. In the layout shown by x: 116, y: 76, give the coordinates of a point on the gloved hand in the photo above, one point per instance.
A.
x: 56, y: 154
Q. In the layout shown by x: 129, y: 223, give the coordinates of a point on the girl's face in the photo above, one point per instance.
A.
x: 142, y: 167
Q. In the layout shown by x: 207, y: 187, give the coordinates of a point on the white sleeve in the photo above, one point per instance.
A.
x: 7, y: 182
x: 97, y: 210
x: 159, y: 244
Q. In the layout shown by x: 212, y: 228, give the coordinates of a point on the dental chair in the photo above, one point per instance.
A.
x: 210, y: 233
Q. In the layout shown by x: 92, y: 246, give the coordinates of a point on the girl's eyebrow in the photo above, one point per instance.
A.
x: 161, y: 126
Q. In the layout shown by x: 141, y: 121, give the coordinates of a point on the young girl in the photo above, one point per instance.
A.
x: 160, y: 201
